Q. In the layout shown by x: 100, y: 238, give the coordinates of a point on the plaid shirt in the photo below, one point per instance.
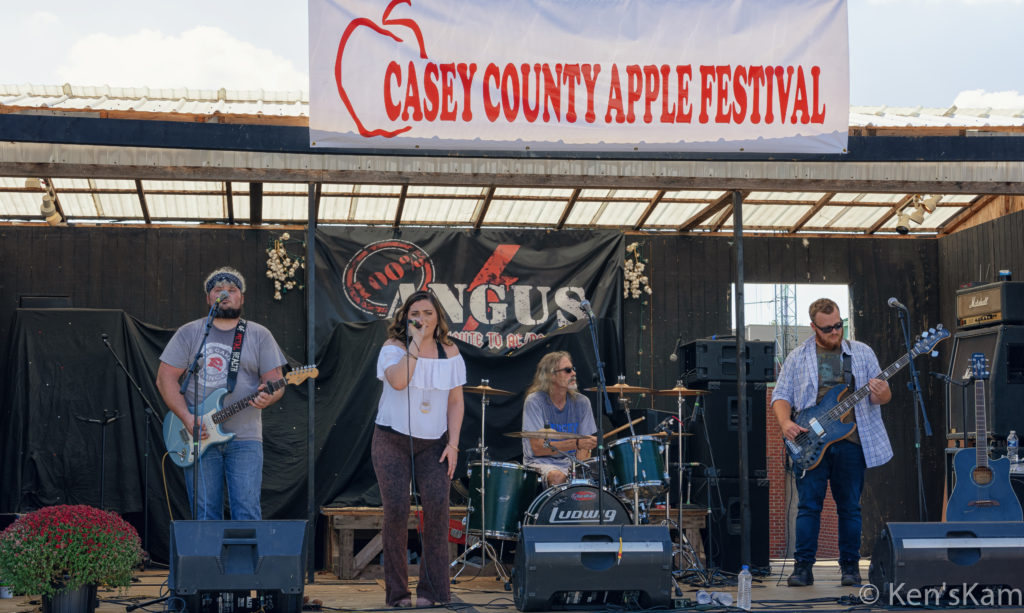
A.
x: 798, y: 385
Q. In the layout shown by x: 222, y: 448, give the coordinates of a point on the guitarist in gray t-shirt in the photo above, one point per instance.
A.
x: 240, y: 358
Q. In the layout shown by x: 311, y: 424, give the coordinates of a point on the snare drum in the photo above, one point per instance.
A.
x: 574, y: 504
x: 650, y: 477
x: 510, y: 488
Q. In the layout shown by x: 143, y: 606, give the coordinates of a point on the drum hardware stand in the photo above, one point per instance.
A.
x: 634, y: 444
x: 482, y: 543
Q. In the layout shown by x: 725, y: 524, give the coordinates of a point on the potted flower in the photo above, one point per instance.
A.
x: 62, y: 549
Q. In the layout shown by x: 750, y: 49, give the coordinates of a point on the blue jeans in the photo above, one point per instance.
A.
x: 842, y: 466
x: 240, y: 463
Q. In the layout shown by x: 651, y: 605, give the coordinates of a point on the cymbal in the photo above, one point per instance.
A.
x: 622, y: 388
x: 485, y: 389
x: 672, y: 434
x: 679, y: 390
x: 546, y: 434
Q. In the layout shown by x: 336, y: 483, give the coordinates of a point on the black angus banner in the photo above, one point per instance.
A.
x: 501, y: 288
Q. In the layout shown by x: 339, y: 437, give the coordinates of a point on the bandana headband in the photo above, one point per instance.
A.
x: 223, y: 277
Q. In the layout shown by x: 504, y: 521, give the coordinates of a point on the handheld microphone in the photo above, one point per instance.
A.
x: 104, y: 337
x: 585, y: 305
x: 415, y: 324
x: 896, y: 304
x: 222, y: 296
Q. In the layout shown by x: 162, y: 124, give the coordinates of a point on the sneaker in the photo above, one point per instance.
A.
x: 802, y: 575
x: 850, y: 574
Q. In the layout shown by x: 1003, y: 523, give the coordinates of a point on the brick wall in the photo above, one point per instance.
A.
x: 782, y: 515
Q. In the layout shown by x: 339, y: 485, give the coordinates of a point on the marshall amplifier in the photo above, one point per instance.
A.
x: 993, y: 303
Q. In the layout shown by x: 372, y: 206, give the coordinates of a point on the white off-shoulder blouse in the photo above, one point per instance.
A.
x: 423, y: 404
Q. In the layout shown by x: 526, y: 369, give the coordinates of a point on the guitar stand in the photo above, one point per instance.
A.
x: 109, y: 417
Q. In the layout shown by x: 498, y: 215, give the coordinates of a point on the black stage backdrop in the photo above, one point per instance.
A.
x: 61, y: 383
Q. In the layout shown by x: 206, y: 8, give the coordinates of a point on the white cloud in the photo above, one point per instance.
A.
x: 979, y: 98
x: 203, y: 57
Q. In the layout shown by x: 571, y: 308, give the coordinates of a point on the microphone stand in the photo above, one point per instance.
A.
x: 150, y: 413
x: 192, y: 369
x: 602, y: 392
x: 914, y: 385
x: 963, y: 404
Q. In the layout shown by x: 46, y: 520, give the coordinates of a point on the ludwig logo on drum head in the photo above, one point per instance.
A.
x: 584, y: 496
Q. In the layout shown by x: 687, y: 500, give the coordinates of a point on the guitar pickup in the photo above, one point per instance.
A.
x: 185, y: 438
x: 816, y: 427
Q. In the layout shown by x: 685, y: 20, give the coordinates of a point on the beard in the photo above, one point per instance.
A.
x: 827, y: 343
x: 228, y: 313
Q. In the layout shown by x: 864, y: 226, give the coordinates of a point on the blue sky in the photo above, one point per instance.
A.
x: 902, y: 52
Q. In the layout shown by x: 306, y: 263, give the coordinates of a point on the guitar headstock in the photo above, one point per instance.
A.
x: 927, y: 340
x: 300, y: 374
x: 979, y: 366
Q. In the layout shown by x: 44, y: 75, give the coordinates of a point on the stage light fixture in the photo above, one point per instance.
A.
x: 48, y: 208
x: 903, y: 223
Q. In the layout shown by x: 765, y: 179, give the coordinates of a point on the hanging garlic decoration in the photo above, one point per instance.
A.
x: 283, y: 266
x: 634, y: 282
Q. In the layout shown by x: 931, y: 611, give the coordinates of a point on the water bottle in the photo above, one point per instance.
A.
x: 743, y: 585
x: 1012, y: 447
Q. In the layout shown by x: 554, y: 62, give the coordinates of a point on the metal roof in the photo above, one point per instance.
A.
x: 142, y: 184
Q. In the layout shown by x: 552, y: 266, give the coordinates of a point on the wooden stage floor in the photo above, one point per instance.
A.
x: 479, y: 594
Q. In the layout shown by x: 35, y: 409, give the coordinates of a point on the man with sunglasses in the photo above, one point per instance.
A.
x: 810, y: 371
x: 553, y: 402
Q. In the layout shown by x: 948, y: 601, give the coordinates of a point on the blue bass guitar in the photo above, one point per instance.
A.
x: 211, y: 415
x: 982, y: 491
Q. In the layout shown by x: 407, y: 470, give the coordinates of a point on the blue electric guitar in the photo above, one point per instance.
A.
x: 211, y: 415
x: 830, y: 421
x: 982, y: 491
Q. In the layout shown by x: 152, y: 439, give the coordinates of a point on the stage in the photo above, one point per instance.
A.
x: 475, y: 593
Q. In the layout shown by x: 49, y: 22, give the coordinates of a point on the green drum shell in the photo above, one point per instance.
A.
x: 650, y: 465
x: 511, y: 487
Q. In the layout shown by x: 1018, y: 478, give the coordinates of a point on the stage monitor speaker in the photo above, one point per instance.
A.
x: 716, y: 432
x: 723, y: 544
x: 947, y: 556
x: 715, y: 360
x: 1004, y: 389
x: 592, y: 567
x: 220, y: 560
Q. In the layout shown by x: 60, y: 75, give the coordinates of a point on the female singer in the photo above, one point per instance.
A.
x: 419, y: 417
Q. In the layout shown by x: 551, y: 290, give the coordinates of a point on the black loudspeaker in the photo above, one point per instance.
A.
x: 1004, y: 389
x: 716, y: 431
x: 592, y: 567
x: 920, y: 560
x: 723, y: 543
x: 715, y: 360
x: 215, y: 561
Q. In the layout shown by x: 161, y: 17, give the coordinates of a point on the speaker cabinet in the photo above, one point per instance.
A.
x: 587, y: 567
x: 715, y: 360
x: 716, y: 432
x: 947, y: 556
x: 217, y: 561
x: 1004, y: 389
x: 723, y: 542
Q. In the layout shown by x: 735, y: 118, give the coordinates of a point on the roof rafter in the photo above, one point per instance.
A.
x: 894, y: 209
x: 820, y: 204
x: 965, y: 214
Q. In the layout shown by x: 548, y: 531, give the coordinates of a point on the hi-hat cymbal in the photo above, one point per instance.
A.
x: 485, y: 389
x: 622, y: 388
x: 546, y: 435
x: 679, y: 390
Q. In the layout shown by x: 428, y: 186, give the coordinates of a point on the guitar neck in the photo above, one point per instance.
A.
x: 851, y: 401
x: 222, y: 415
x: 980, y: 425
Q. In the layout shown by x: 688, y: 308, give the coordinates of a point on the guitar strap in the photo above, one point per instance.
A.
x: 851, y: 384
x: 236, y: 355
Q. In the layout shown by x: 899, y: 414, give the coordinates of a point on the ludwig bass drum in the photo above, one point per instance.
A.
x: 574, y: 504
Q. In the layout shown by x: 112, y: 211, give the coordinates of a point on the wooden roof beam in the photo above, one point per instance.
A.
x: 650, y: 209
x: 820, y: 204
x: 568, y: 207
x: 401, y: 206
x: 894, y: 209
x: 256, y: 203
x: 488, y: 197
x: 966, y: 214
x: 724, y: 201
x: 229, y: 197
x: 141, y: 191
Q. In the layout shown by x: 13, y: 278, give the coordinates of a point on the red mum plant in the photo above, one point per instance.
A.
x: 66, y: 547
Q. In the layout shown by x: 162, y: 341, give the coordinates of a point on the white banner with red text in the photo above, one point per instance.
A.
x: 580, y: 75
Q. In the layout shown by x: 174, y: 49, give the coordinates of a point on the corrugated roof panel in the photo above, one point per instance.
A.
x: 857, y: 217
x: 784, y: 196
x: 621, y: 214
x: 508, y: 212
x: 866, y: 198
x: 583, y: 213
x: 21, y: 205
x: 375, y: 210
x: 120, y: 206
x: 446, y: 190
x: 693, y: 195
x: 289, y: 208
x: 772, y: 215
x: 543, y: 193
x: 79, y: 205
x: 438, y: 211
x: 939, y: 216
x: 672, y: 214
x: 188, y: 208
x: 60, y: 184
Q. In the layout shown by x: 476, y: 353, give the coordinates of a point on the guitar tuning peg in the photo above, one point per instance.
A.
x: 932, y: 330
x: 938, y: 326
x: 935, y: 354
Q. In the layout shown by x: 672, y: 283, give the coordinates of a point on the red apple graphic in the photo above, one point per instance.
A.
x: 388, y: 24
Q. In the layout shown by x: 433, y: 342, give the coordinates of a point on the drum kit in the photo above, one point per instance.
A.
x: 504, y: 496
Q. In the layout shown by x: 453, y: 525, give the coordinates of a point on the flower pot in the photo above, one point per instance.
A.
x: 80, y: 600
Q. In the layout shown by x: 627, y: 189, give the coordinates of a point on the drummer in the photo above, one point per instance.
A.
x: 553, y: 402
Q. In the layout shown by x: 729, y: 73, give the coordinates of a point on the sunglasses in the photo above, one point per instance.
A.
x: 832, y: 328
x: 566, y: 370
